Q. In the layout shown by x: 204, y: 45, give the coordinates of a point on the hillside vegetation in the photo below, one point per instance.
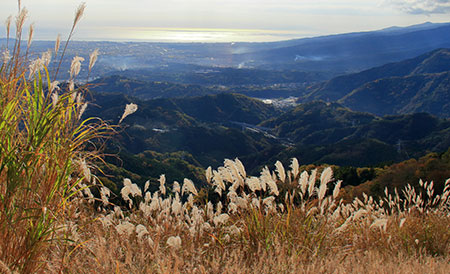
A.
x: 420, y: 84
x: 61, y: 211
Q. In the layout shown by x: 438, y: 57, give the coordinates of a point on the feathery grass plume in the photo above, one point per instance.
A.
x: 129, y: 189
x: 176, y: 187
x: 8, y: 28
x: 177, y: 206
x: 85, y: 170
x: 303, y: 182
x: 162, y: 182
x: 174, y: 242
x: 208, y: 174
x: 75, y: 66
x: 240, y: 168
x: 269, y: 181
x: 79, y: 13
x: 141, y: 231
x: 54, y: 86
x: 280, y: 171
x: 57, y: 44
x: 6, y: 56
x: 30, y: 36
x: 218, y: 181
x: 233, y: 170
x: 92, y: 59
x: 125, y: 228
x: 146, y: 185
x: 82, y: 110
x: 221, y: 219
x: 37, y: 65
x: 105, y: 193
x: 294, y: 167
x: 253, y: 184
x: 325, y: 178
x: 188, y: 186
x: 46, y: 58
x: 20, y: 21
x: 337, y: 189
x: 129, y: 109
x: 312, y: 182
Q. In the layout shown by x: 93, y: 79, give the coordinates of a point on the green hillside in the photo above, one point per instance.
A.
x: 420, y: 84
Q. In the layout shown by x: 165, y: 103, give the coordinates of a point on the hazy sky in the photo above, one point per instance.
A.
x: 225, y: 20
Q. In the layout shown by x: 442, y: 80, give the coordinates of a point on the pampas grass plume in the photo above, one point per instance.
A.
x: 174, y: 242
x: 129, y: 109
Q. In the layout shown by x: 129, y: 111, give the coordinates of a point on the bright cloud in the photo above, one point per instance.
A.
x: 422, y: 6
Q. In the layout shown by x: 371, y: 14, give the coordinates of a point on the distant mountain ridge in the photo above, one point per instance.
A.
x: 214, y: 127
x: 354, y: 51
x: 419, y: 84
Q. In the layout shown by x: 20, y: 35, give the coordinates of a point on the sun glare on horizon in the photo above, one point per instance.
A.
x: 204, y: 35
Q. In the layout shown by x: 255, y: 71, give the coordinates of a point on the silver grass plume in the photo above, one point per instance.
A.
x: 162, y: 182
x: 294, y: 167
x: 176, y: 187
x: 20, y: 20
x: 208, y: 174
x: 75, y: 66
x: 92, y: 59
x: 6, y: 56
x: 129, y: 109
x: 280, y: 171
x: 8, y: 26
x: 188, y: 186
x: 79, y: 13
x: 304, y: 177
x: 57, y: 44
x: 146, y: 186
x: 337, y: 189
x: 30, y: 35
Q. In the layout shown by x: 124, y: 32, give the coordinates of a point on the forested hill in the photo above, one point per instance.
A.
x: 420, y: 84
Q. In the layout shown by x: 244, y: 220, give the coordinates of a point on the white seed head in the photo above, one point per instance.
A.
x: 75, y: 66
x: 141, y: 231
x: 162, y: 182
x: 6, y: 56
x: 188, y: 186
x: 125, y: 227
x: 79, y: 13
x: 57, y: 44
x: 93, y: 58
x: 294, y: 167
x: 129, y: 109
x: 221, y: 219
x: 176, y: 187
x: 280, y: 171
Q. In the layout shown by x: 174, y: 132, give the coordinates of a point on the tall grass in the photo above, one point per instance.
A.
x: 284, y: 221
x: 43, y: 145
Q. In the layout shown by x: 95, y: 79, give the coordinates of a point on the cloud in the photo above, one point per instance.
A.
x: 422, y: 6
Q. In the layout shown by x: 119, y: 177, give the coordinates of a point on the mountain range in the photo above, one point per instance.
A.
x: 352, y: 51
x: 420, y: 84
x: 214, y: 127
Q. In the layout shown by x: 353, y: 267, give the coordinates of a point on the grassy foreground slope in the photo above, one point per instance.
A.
x: 56, y: 218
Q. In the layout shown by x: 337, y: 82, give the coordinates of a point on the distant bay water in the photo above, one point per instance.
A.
x: 208, y: 35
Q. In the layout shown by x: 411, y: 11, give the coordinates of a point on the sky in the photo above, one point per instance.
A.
x: 221, y: 20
